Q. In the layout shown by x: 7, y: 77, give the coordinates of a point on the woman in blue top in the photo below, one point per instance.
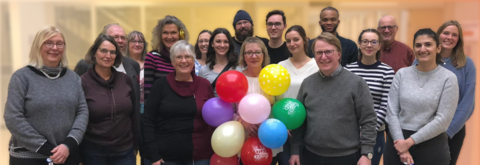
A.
x: 455, y: 60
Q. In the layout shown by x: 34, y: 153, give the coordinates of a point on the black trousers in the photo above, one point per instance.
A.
x: 455, y: 145
x: 309, y: 158
x: 431, y: 152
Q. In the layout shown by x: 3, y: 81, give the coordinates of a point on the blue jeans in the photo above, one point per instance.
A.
x: 93, y: 155
x: 378, y: 149
x: 284, y: 156
x: 200, y: 162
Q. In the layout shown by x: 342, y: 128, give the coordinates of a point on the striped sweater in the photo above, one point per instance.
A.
x: 156, y: 66
x: 379, y: 77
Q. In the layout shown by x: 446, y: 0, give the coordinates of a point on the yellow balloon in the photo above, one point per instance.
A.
x: 228, y: 138
x: 274, y: 79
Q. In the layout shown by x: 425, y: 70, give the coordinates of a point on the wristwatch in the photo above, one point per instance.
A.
x: 368, y: 155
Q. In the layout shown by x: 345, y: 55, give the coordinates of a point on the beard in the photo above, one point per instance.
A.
x: 325, y: 30
x: 241, y: 35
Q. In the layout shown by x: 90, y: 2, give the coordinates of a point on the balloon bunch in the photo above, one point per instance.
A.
x: 228, y: 138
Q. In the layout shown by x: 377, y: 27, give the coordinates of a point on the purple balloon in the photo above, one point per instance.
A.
x: 216, y: 111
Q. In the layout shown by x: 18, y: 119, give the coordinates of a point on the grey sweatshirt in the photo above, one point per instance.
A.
x: 340, y: 118
x: 421, y: 101
x: 42, y: 113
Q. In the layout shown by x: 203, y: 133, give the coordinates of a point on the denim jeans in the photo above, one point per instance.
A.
x: 284, y: 156
x: 378, y: 149
x: 200, y: 162
x: 94, y: 155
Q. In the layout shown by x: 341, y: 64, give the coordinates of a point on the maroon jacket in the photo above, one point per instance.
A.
x: 114, y: 121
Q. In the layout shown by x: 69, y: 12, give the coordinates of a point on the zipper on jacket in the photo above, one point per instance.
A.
x: 114, y: 110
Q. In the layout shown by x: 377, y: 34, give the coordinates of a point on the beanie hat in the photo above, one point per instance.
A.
x: 241, y: 15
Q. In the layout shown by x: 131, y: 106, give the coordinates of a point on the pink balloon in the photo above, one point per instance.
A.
x: 254, y: 108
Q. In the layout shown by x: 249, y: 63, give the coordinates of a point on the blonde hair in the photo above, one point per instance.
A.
x: 459, y: 59
x: 157, y: 43
x: 330, y: 39
x: 253, y: 40
x: 46, y: 33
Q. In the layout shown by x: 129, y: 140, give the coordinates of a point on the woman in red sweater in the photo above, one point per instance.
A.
x: 173, y: 127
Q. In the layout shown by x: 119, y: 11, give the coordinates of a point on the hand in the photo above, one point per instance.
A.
x: 364, y: 161
x: 289, y: 134
x: 251, y: 128
x: 294, y: 160
x: 158, y: 162
x: 135, y: 151
x: 402, y: 146
x: 60, y: 154
x: 406, y: 157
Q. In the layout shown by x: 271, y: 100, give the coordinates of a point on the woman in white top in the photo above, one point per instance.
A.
x: 253, y: 57
x: 299, y: 65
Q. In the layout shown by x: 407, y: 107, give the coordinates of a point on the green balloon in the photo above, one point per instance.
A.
x: 290, y: 111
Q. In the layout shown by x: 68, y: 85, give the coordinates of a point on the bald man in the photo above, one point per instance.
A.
x: 395, y: 53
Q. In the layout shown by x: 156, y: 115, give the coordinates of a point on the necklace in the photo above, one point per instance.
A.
x: 445, y: 61
x: 418, y: 79
x: 50, y: 77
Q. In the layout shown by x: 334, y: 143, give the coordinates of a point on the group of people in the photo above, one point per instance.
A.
x: 121, y: 99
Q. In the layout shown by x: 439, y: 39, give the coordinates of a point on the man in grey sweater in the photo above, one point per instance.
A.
x: 340, y: 123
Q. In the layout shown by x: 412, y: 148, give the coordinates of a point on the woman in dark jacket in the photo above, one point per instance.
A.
x: 173, y: 127
x: 112, y: 136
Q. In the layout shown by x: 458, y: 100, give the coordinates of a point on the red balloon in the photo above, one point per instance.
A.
x: 231, y: 86
x: 218, y: 160
x: 255, y: 153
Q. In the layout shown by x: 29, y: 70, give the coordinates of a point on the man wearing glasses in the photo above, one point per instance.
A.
x: 394, y: 53
x: 277, y: 48
x: 329, y: 20
x: 243, y: 25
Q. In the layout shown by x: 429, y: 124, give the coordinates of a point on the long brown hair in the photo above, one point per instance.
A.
x: 459, y: 59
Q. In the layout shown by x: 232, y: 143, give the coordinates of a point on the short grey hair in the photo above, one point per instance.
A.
x: 157, y: 43
x: 106, y: 27
x: 182, y: 46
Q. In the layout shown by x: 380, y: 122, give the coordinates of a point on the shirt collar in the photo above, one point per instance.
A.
x: 389, y: 49
x: 336, y: 72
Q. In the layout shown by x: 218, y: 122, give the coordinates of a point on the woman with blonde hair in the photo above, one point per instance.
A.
x: 46, y: 112
x: 158, y: 64
x: 254, y: 57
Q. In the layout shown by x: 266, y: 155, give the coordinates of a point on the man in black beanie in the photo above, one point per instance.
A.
x: 243, y: 25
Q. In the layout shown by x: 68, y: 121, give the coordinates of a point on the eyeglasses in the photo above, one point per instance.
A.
x: 137, y: 42
x: 240, y: 23
x: 187, y: 57
x: 252, y: 53
x: 327, y: 53
x: 105, y: 51
x: 276, y: 24
x: 389, y: 27
x: 119, y: 37
x: 49, y: 45
x: 365, y: 42
x: 202, y: 41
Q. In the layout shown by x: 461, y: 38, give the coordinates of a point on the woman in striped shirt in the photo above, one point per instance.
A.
x: 378, y: 76
x: 157, y: 62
